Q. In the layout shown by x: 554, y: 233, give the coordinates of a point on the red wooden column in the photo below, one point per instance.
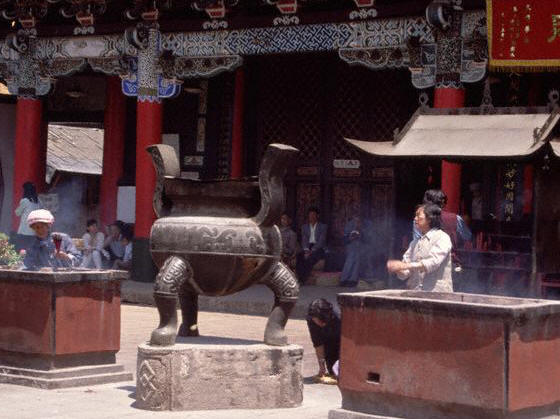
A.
x: 113, y: 149
x: 30, y: 151
x: 450, y: 97
x: 148, y: 131
x: 237, y: 131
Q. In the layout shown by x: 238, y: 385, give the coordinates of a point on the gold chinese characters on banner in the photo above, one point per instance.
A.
x: 524, y: 35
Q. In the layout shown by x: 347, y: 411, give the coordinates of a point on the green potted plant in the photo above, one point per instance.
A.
x: 9, y: 257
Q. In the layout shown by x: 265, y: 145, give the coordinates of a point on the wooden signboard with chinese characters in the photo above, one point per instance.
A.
x: 524, y: 35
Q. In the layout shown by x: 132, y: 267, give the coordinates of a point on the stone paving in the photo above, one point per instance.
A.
x: 255, y: 300
x: 117, y: 400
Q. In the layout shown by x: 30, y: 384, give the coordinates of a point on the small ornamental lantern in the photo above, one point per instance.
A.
x: 364, y: 3
x: 287, y: 7
x: 216, y: 10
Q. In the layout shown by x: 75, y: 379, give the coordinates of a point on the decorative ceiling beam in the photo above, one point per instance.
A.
x: 378, y: 44
x: 373, y: 34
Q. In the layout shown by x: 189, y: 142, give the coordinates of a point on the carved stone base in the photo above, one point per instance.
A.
x: 218, y: 373
x: 64, y: 377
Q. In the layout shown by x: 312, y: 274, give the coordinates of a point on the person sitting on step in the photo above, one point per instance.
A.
x: 314, y: 243
x: 126, y: 240
x: 93, y: 246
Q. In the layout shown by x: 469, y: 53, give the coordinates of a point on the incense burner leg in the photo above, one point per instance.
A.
x: 168, y: 281
x: 285, y: 287
x: 189, y: 311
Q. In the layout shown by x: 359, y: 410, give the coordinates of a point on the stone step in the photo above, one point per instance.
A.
x: 81, y: 378
x: 59, y: 373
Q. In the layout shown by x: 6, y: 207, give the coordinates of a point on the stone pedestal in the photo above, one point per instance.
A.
x: 60, y: 329
x: 218, y: 373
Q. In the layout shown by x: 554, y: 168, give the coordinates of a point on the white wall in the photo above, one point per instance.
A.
x: 126, y: 204
x: 7, y: 136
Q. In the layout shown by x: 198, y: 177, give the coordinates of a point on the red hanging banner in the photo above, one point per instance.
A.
x: 524, y: 35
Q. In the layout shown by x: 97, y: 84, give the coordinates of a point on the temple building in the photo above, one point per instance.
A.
x: 221, y: 79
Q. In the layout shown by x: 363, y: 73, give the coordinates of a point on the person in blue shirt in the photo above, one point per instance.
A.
x: 314, y: 244
x: 438, y: 197
x: 42, y: 252
x: 358, y: 240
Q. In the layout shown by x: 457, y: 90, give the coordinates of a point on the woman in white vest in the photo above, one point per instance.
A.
x: 426, y: 265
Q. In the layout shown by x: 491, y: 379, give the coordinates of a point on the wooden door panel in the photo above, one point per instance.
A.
x: 381, y: 207
x: 307, y: 195
x: 346, y: 200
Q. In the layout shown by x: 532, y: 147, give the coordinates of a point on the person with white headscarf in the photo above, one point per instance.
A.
x: 43, y: 252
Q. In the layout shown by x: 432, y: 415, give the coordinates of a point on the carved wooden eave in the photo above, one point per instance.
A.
x: 377, y: 43
x: 27, y: 75
x: 417, y: 50
x: 199, y: 67
x: 376, y: 58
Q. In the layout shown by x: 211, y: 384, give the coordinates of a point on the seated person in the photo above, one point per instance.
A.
x: 358, y: 238
x: 324, y: 327
x: 314, y: 243
x: 93, y: 246
x: 43, y: 252
x: 289, y: 241
x: 126, y: 262
x: 113, y: 243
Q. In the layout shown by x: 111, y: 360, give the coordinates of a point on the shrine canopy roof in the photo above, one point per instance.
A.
x: 555, y: 144
x: 469, y: 132
x: 74, y: 150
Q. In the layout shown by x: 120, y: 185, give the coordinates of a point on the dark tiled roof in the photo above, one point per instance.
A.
x: 74, y: 150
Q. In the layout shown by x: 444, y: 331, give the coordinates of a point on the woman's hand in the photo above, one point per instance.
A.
x: 394, y: 266
x: 62, y: 255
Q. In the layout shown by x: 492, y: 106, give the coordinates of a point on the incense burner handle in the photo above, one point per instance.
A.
x: 274, y: 165
x: 167, y: 165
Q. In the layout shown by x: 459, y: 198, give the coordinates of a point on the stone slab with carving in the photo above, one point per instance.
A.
x: 218, y: 373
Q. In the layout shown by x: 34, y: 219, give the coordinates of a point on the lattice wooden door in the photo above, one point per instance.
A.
x: 290, y: 105
x: 313, y: 102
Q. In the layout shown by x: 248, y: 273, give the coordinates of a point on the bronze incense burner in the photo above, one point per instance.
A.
x: 217, y: 238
